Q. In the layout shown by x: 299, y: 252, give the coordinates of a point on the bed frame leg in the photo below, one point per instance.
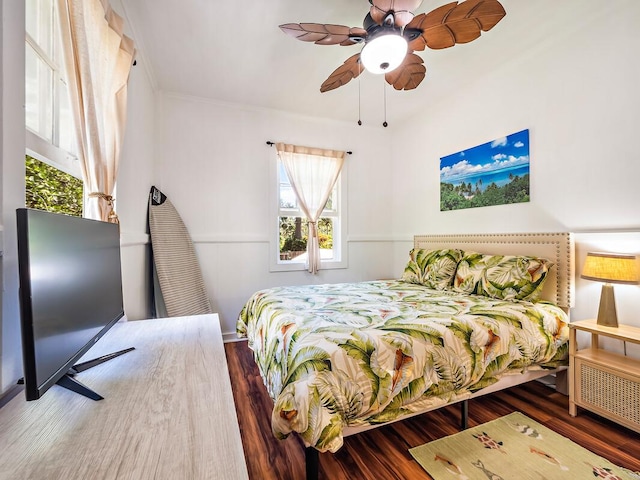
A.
x: 312, y: 461
x: 464, y: 415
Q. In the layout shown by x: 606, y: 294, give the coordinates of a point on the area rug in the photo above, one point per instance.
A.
x: 513, y: 447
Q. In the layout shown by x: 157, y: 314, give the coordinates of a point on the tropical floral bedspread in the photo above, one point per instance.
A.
x: 355, y: 354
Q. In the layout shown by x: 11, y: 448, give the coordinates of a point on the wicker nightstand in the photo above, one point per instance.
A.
x: 604, y: 382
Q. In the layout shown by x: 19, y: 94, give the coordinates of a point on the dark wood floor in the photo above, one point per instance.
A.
x: 383, y: 453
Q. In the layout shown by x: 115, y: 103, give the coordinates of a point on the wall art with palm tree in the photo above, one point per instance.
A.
x: 494, y: 173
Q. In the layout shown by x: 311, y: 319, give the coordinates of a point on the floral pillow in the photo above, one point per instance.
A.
x: 432, y: 268
x: 506, y: 277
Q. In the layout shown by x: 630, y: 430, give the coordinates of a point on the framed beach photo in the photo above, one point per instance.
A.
x: 494, y: 173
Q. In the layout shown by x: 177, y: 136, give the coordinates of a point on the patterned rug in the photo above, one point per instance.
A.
x: 513, y: 447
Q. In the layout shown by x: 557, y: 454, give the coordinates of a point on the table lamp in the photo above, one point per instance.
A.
x: 610, y: 268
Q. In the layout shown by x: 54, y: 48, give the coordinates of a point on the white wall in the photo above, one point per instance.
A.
x: 578, y: 98
x: 577, y: 93
x: 12, y: 153
x: 214, y: 167
x: 135, y: 177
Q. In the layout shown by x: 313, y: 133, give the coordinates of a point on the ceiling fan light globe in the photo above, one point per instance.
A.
x: 384, y: 54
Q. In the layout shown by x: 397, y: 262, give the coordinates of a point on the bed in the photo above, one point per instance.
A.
x: 471, y: 314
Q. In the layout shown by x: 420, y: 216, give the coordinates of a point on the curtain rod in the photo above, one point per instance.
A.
x: 271, y: 144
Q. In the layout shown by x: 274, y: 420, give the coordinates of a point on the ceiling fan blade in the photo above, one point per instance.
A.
x: 402, y: 9
x: 455, y: 23
x: 408, y: 75
x: 342, y: 75
x: 322, y: 34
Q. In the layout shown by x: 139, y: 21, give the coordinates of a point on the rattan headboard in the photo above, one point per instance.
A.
x: 557, y: 247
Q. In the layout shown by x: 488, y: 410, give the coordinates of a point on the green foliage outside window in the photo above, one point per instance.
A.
x: 50, y: 189
x: 294, y: 232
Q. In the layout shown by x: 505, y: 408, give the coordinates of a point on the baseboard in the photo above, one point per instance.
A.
x: 232, y: 337
x: 10, y: 394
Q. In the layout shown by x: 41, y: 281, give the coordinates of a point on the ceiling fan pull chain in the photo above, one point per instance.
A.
x: 359, y: 102
x: 384, y: 89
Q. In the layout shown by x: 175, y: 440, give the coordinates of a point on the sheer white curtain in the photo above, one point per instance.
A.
x: 98, y: 59
x: 313, y: 173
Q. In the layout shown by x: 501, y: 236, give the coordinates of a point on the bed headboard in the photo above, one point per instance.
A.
x: 557, y: 247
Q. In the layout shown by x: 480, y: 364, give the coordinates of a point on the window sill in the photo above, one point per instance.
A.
x: 300, y: 266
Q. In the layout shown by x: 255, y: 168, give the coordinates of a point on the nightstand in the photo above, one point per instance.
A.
x: 604, y: 382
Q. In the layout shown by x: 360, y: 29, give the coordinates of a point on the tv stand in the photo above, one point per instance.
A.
x: 67, y: 381
x: 70, y: 383
x: 169, y: 412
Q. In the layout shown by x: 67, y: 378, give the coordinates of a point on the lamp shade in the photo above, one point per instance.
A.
x: 611, y: 268
x: 384, y: 53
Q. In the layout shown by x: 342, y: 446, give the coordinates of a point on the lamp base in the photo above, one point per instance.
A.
x: 607, y: 315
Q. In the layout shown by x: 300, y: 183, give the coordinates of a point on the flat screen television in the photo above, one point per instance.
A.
x: 70, y: 295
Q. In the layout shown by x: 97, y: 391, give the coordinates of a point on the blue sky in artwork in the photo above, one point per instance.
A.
x: 490, y: 161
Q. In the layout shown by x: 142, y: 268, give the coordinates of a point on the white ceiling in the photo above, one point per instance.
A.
x: 234, y: 52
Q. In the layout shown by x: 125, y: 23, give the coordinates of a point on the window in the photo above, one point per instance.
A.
x: 49, y: 127
x: 292, y: 231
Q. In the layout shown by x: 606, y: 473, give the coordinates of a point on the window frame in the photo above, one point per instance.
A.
x: 340, y: 259
x: 38, y: 146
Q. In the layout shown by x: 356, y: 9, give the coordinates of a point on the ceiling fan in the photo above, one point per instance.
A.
x: 391, y: 33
